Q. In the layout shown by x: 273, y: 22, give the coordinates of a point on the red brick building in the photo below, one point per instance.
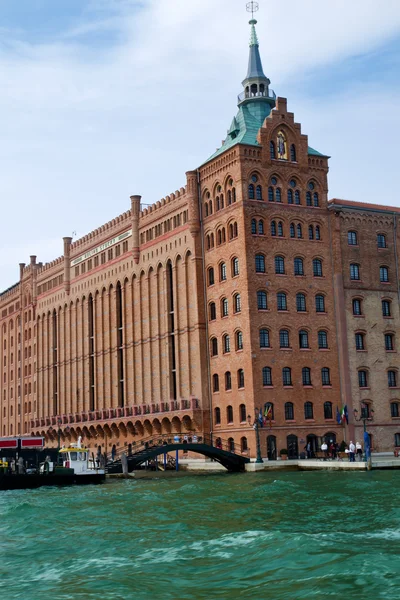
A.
x: 226, y: 300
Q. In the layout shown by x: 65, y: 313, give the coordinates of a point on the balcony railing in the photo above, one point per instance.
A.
x: 249, y: 95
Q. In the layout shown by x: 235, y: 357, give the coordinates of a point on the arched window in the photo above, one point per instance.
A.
x: 386, y: 308
x: 260, y: 227
x: 239, y: 340
x: 325, y: 376
x: 298, y: 266
x: 240, y: 378
x: 394, y: 410
x: 290, y: 196
x: 352, y: 239
x: 354, y: 272
x: 242, y: 413
x: 303, y: 339
x: 293, y: 153
x: 272, y: 150
x: 253, y: 227
x: 273, y: 228
x: 214, y: 346
x: 231, y: 444
x: 281, y: 301
x: 359, y: 337
x: 206, y: 209
x: 264, y: 338
x: 215, y: 383
x: 292, y: 230
x: 260, y: 263
x: 299, y: 231
x: 328, y: 413
x: 219, y: 237
x: 322, y: 340
x: 320, y: 303
x: 384, y: 274
x: 224, y: 307
x: 308, y: 199
x: 316, y: 199
x: 278, y: 195
x: 317, y: 232
x: 284, y: 338
x: 237, y: 303
x: 306, y: 375
x: 210, y: 207
x: 317, y: 267
x: 211, y: 279
x: 229, y: 414
x: 279, y: 265
x: 271, y: 195
x: 392, y: 379
x: 217, y: 413
x: 217, y: 205
x: 243, y: 444
x: 289, y: 411
x: 362, y: 378
x: 357, y: 307
x: 251, y: 192
x: 308, y: 410
x: 280, y: 229
x: 228, y: 380
x: 229, y: 197
x: 262, y: 300
x: 310, y: 232
x: 259, y: 192
x: 287, y: 376
x: 222, y: 272
x: 267, y: 376
x: 381, y: 239
x: 226, y: 343
x: 235, y: 267
x: 269, y: 411
x: 212, y: 311
x: 297, y: 199
x: 301, y: 302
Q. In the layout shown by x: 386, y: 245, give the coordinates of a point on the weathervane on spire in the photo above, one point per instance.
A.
x: 252, y: 7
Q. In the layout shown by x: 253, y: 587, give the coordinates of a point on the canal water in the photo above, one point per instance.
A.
x: 288, y: 535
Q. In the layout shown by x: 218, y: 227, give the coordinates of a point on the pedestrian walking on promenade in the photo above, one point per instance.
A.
x: 352, y: 450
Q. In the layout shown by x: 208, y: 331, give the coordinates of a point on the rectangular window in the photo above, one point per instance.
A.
x: 354, y: 272
x: 386, y: 308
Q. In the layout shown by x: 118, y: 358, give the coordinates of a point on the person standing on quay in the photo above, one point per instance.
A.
x: 352, y: 450
x: 113, y: 452
x: 359, y: 451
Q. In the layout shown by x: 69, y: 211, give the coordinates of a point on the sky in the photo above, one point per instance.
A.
x: 102, y: 99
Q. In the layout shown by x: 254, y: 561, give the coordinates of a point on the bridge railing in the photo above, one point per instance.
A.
x: 177, y: 438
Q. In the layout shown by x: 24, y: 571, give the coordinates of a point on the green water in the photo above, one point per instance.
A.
x: 266, y: 535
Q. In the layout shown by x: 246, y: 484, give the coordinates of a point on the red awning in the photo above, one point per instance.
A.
x: 8, y: 443
x: 32, y: 442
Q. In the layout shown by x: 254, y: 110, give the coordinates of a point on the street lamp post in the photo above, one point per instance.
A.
x: 256, y: 426
x: 364, y: 417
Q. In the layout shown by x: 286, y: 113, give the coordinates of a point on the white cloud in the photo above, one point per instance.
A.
x: 85, y: 124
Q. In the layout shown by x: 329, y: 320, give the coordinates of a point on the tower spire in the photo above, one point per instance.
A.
x: 256, y: 83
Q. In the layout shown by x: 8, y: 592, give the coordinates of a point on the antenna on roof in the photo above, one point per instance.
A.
x: 252, y: 7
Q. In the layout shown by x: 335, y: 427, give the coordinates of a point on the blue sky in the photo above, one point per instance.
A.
x: 101, y: 99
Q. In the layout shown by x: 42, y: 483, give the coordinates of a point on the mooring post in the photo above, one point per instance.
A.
x: 177, y: 461
x: 165, y: 461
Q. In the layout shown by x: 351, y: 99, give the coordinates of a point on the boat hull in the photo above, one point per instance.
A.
x: 28, y: 482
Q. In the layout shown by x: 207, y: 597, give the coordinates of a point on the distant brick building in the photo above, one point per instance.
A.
x: 244, y: 295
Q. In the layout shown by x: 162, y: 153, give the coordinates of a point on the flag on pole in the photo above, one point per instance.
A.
x: 260, y: 418
x: 268, y: 415
x: 338, y: 419
x: 342, y: 415
x: 346, y: 414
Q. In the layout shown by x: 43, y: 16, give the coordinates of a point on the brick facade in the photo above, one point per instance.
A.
x: 226, y: 298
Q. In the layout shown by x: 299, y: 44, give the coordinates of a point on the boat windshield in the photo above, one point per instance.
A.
x: 77, y: 455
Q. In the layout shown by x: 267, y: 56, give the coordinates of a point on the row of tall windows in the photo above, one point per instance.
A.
x: 277, y: 229
x: 275, y: 193
x: 242, y: 416
x: 267, y: 379
x: 228, y: 380
x: 280, y: 265
x: 364, y: 378
x: 224, y: 307
x: 360, y: 341
x: 284, y: 339
x: 355, y: 273
x: 358, y: 305
x: 220, y: 201
x: 352, y: 239
x: 221, y: 235
x: 222, y: 271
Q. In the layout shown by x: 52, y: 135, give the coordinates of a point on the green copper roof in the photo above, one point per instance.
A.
x: 245, y: 127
